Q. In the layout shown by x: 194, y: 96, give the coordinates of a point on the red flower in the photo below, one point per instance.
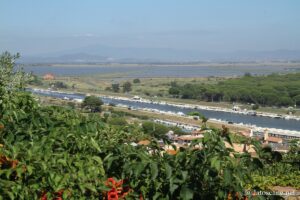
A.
x: 119, y: 184
x: 44, y: 196
x: 112, y: 194
x: 117, y: 190
x: 110, y: 182
x: 58, y: 195
x: 141, y: 197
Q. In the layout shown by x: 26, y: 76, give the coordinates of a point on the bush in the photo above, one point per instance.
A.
x: 115, y: 87
x: 255, y: 107
x: 136, y: 81
x: 59, y: 84
x: 93, y: 103
x: 35, y: 80
x: 177, y: 130
x: 117, y: 121
x: 127, y: 87
x: 155, y: 129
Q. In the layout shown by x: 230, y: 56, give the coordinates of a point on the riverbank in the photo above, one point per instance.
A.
x: 148, y: 105
x: 157, y: 89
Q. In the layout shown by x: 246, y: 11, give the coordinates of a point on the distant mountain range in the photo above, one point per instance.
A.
x: 104, y: 54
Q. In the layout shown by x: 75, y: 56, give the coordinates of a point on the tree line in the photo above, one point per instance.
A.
x: 270, y: 90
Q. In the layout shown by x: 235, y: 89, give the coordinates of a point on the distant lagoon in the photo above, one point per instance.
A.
x: 135, y: 71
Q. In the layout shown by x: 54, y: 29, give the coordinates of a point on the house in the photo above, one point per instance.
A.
x: 274, y: 140
x: 198, y: 132
x: 240, y: 148
x: 49, y: 76
x: 186, y: 139
x: 269, y: 139
x: 246, y: 133
x: 144, y: 142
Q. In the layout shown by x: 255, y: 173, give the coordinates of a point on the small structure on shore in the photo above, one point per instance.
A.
x: 236, y: 108
x: 136, y: 98
x: 269, y: 139
x: 49, y: 76
x: 186, y: 139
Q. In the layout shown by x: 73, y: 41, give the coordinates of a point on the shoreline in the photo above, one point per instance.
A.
x: 284, y: 132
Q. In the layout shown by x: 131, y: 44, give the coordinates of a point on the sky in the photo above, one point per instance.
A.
x: 35, y: 27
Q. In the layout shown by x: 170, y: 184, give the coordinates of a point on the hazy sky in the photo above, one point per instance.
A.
x: 40, y: 26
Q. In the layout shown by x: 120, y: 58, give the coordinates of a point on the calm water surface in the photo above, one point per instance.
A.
x: 156, y: 71
x: 233, y: 117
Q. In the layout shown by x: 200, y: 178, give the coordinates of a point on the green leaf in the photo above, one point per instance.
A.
x: 95, y: 145
x: 215, y: 162
x: 186, y: 193
x: 168, y: 170
x: 227, y: 176
x: 173, y: 187
x: 97, y: 159
x: 154, y: 170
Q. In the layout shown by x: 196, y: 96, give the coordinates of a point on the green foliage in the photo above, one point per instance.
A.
x: 117, y: 121
x: 93, y: 103
x: 123, y: 114
x: 37, y: 81
x: 47, y: 150
x: 247, y: 74
x: 278, y: 169
x: 11, y: 79
x: 255, y: 107
x: 271, y: 90
x: 115, y: 87
x: 195, y: 113
x: 155, y: 129
x: 136, y: 81
x: 174, y: 91
x: 297, y: 99
x: 59, y: 85
x: 177, y: 130
x: 127, y: 86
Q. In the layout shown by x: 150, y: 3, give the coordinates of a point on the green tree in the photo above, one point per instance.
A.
x: 127, y: 86
x: 59, y: 84
x: 255, y: 107
x: 115, y: 87
x: 93, y: 103
x: 174, y: 91
x: 297, y: 100
x: 155, y: 129
x: 35, y: 80
x: 136, y: 80
x: 204, y: 122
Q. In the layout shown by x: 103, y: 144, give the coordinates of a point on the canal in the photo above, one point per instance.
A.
x: 237, y: 118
